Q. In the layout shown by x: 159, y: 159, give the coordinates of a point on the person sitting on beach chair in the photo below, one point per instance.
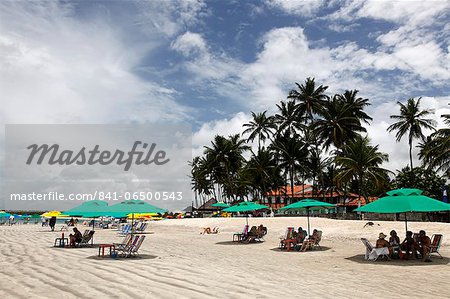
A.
x: 409, y: 245
x: 76, y: 237
x: 423, y: 245
x: 382, y: 243
x: 301, y: 235
x: 256, y: 233
x: 208, y: 230
x: 394, y: 241
x: 311, y: 240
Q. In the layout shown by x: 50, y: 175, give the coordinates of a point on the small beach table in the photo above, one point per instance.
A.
x: 290, y: 244
x: 62, y: 242
x: 102, y: 247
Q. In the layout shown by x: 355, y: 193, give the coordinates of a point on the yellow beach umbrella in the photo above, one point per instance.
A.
x: 51, y: 214
x: 142, y: 215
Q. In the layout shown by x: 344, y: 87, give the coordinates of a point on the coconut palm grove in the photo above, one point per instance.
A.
x: 320, y: 139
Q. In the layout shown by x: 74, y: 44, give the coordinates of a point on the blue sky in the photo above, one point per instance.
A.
x: 210, y: 63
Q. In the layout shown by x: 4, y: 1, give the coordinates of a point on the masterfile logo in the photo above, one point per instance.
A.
x: 52, y: 155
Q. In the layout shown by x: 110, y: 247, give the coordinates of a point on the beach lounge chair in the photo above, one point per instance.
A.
x: 237, y: 237
x: 142, y: 227
x: 287, y: 236
x: 372, y: 253
x: 436, y: 240
x: 256, y: 234
x: 125, y: 242
x: 132, y: 249
x: 86, y: 239
x: 316, y: 243
x: 126, y: 229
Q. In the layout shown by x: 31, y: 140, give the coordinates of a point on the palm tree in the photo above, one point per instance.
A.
x: 357, y: 105
x: 288, y: 119
x: 260, y: 126
x: 435, y: 152
x: 360, y: 161
x: 308, y: 97
x: 317, y: 166
x: 224, y: 161
x: 292, y: 154
x: 200, y: 178
x: 263, y: 172
x: 337, y: 123
x: 411, y: 120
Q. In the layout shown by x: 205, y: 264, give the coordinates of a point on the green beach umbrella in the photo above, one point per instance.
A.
x: 35, y: 216
x: 89, y: 209
x: 135, y: 207
x: 307, y: 204
x: 4, y: 214
x: 405, y: 201
x: 245, y: 206
x: 91, y: 206
x: 220, y: 205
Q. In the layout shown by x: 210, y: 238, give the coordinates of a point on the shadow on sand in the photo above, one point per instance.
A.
x: 409, y: 263
x: 136, y: 257
x: 322, y: 248
x: 237, y: 243
x: 79, y: 248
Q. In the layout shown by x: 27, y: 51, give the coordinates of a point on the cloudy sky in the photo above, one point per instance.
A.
x: 210, y: 63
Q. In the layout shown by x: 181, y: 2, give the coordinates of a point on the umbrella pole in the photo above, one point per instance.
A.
x: 406, y: 222
x: 246, y: 218
x: 93, y: 229
x: 307, y: 215
x: 132, y: 225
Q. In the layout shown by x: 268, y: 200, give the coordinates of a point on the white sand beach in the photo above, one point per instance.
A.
x: 177, y: 262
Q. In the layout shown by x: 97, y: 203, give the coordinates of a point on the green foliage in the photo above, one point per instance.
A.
x: 420, y: 178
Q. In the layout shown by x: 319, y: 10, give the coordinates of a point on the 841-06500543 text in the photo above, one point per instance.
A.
x: 100, y: 195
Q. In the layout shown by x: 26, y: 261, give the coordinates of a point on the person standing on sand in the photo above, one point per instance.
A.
x: 52, y: 223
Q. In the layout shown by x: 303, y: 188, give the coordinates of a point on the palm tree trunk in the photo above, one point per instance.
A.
x: 292, y: 183
x: 410, y: 154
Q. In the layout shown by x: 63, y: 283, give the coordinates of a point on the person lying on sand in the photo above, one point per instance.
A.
x: 76, y: 237
x: 208, y: 230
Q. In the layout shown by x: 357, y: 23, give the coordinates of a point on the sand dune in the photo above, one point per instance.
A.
x: 179, y: 262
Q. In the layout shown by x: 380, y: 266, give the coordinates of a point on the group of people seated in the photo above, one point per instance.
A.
x: 298, y: 239
x: 255, y: 233
x: 421, y: 245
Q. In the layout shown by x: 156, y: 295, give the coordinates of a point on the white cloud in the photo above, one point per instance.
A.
x: 224, y: 127
x: 189, y: 44
x: 298, y: 7
x: 403, y: 11
x: 56, y: 69
x: 169, y: 17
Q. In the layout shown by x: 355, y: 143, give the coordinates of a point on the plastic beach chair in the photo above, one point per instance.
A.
x: 436, y: 240
x: 373, y: 253
x: 288, y: 235
x: 131, y: 249
x: 86, y: 239
x: 241, y: 236
x: 125, y: 242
